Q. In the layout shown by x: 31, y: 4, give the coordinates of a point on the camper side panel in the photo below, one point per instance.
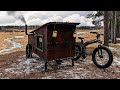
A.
x: 38, y: 41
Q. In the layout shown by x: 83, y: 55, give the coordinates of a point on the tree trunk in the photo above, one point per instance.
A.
x: 112, y: 29
x: 106, y: 18
x: 115, y: 26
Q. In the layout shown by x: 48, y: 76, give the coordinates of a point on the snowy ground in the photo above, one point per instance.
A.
x: 15, y: 45
x: 34, y: 69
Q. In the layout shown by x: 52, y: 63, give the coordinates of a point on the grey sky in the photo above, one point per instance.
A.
x: 42, y: 17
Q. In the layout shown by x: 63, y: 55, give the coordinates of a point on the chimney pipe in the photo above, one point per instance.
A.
x: 26, y: 29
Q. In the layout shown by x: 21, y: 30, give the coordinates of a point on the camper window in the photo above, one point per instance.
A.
x: 40, y: 42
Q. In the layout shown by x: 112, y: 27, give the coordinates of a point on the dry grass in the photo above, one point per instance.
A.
x: 5, y: 35
x: 88, y: 36
x: 23, y: 41
x: 1, y: 46
x: 115, y: 49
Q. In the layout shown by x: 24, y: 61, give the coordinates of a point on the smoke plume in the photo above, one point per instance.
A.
x: 17, y: 15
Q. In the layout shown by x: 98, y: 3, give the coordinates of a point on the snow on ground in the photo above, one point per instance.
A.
x: 25, y: 66
x: 15, y: 45
x: 80, y: 32
x: 34, y: 69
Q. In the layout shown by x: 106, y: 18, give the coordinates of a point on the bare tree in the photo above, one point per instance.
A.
x: 115, y: 26
x: 114, y: 21
x: 106, y: 33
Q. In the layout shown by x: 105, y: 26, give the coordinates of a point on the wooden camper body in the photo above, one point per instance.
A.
x: 53, y: 40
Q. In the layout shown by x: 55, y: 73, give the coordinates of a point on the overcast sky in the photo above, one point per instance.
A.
x: 42, y: 17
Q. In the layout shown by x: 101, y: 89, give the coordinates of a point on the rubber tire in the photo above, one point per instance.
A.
x: 76, y: 58
x: 58, y: 62
x: 110, y: 57
x: 28, y: 51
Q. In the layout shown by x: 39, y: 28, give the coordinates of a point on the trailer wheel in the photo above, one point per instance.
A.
x: 28, y: 51
x: 58, y: 62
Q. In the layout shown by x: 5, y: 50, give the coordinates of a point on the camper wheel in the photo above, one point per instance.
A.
x: 28, y: 51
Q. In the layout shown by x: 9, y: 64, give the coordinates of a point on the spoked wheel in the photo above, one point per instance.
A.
x: 102, y: 57
x: 77, y: 53
x: 28, y: 51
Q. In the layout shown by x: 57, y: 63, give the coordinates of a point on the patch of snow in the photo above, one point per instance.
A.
x: 25, y: 66
x: 13, y: 71
x: 27, y: 62
x: 80, y: 69
x: 8, y: 69
x: 5, y: 78
x: 18, y: 36
x: 19, y: 60
x: 15, y: 45
x: 28, y: 67
x: 116, y: 61
x: 48, y: 77
x: 76, y: 76
x: 112, y: 48
x: 117, y: 38
x: 0, y: 73
x: 80, y: 32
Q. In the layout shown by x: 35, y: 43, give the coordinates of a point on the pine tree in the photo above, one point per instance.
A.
x: 111, y: 24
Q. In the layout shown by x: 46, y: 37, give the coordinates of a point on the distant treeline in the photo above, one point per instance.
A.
x: 37, y: 26
x: 19, y: 27
x: 89, y: 27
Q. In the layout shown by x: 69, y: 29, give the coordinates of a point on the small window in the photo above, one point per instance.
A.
x: 40, y: 42
x: 54, y: 34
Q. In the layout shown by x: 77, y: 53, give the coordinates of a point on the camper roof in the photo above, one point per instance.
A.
x: 55, y: 23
